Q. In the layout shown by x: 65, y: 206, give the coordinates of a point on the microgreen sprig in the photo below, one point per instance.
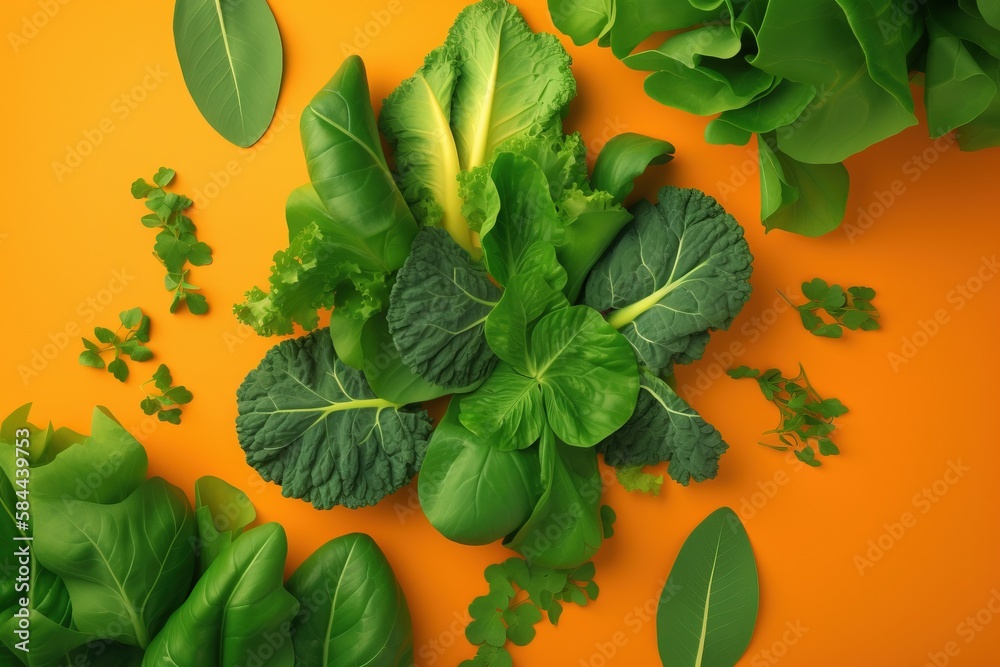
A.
x: 805, y: 416
x: 127, y: 341
x: 851, y: 308
x: 176, y: 243
x: 164, y: 400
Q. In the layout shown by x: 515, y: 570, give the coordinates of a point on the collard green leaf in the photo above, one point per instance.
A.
x: 564, y: 529
x: 510, y: 79
x: 665, y: 428
x: 808, y: 199
x: 624, y: 158
x: 230, y: 55
x: 126, y: 565
x: 681, y: 270
x: 473, y: 493
x: 221, y: 513
x: 238, y: 609
x: 438, y: 309
x: 312, y: 424
x: 710, y: 623
x: 351, y: 608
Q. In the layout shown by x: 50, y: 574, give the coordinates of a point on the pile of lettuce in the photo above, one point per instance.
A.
x: 104, y: 567
x: 816, y: 81
x: 484, y: 262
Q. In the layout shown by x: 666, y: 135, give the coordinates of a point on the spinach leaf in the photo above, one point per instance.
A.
x: 126, y: 565
x: 351, y: 608
x: 681, y: 270
x: 665, y: 428
x: 569, y: 508
x: 230, y: 55
x: 312, y: 424
x: 438, y: 309
x: 237, y: 609
x: 712, y: 622
x: 624, y: 158
x: 473, y: 493
x: 221, y: 513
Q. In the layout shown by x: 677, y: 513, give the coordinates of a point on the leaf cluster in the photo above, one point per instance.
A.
x: 521, y: 595
x: 128, y: 341
x: 176, y: 243
x: 851, y: 308
x: 805, y: 416
x: 166, y: 399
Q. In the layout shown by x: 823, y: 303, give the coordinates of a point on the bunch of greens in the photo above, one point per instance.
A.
x: 851, y: 308
x: 806, y: 417
x: 816, y: 81
x: 129, y: 340
x: 176, y: 244
x: 520, y: 595
x: 124, y: 573
x: 164, y: 401
x: 490, y: 263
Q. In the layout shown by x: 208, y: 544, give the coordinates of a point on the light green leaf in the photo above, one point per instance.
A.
x: 230, y: 55
x: 506, y: 411
x: 221, y: 513
x: 473, y: 493
x: 351, y: 608
x: 708, y: 607
x: 624, y: 158
x: 808, y: 199
x: 583, y: 20
x: 526, y: 299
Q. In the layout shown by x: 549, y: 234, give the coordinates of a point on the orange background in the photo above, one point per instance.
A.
x: 64, y: 236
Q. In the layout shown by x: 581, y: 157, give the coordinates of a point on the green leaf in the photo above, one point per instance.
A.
x: 587, y: 373
x: 564, y: 529
x: 521, y: 622
x: 200, y: 254
x: 508, y: 326
x: 126, y: 565
x: 635, y: 20
x: 712, y: 621
x: 665, y: 428
x: 437, y: 312
x: 162, y: 378
x: 351, y: 608
x: 221, y: 513
x: 807, y: 199
x: 828, y: 331
x: 196, y: 303
x: 140, y: 353
x: 679, y: 271
x: 490, y: 656
x: 230, y: 55
x: 130, y: 318
x: 172, y: 416
x: 583, y: 20
x: 635, y: 478
x: 119, y: 369
x: 473, y: 493
x: 237, y: 608
x: 348, y: 169
x: 624, y: 158
x: 91, y: 359
x: 304, y: 418
x: 164, y: 176
x: 506, y: 411
x: 106, y: 336
x: 172, y: 250
x: 178, y: 395
x: 140, y: 188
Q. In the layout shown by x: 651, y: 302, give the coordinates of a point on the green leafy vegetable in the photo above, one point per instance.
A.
x: 708, y: 607
x: 521, y: 594
x: 351, y: 609
x: 164, y: 402
x: 681, y: 270
x: 665, y: 428
x: 635, y: 478
x: 176, y: 244
x: 851, y: 308
x: 312, y: 424
x: 624, y: 158
x: 237, y: 608
x: 230, y: 55
x: 221, y: 514
x: 127, y: 341
x: 438, y: 311
x: 474, y: 493
x: 805, y: 416
x: 816, y: 81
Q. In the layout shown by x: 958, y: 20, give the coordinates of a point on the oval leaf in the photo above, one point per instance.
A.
x: 708, y: 607
x: 230, y: 55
